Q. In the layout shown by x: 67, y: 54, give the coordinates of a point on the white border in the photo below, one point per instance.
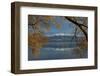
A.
x: 25, y: 64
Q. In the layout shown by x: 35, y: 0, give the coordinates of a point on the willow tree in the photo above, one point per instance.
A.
x: 41, y: 24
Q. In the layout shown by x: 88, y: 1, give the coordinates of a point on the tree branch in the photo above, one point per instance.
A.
x: 79, y: 25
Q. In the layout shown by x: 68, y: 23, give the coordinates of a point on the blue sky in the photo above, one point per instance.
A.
x: 66, y: 26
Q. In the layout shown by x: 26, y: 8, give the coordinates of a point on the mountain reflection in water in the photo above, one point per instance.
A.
x: 59, y: 47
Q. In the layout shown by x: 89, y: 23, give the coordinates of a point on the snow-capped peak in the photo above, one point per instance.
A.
x: 59, y: 34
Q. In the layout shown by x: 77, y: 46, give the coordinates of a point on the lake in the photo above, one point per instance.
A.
x: 59, y: 47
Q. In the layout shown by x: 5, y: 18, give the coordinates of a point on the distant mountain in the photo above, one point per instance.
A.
x: 62, y: 38
x: 61, y: 41
x: 61, y: 34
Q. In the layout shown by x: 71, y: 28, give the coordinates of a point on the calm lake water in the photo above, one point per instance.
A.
x: 58, y: 48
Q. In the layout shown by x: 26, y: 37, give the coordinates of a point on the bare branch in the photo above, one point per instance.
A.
x: 79, y: 25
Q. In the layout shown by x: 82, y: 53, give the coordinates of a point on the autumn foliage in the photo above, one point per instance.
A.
x: 36, y: 41
x: 41, y: 24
